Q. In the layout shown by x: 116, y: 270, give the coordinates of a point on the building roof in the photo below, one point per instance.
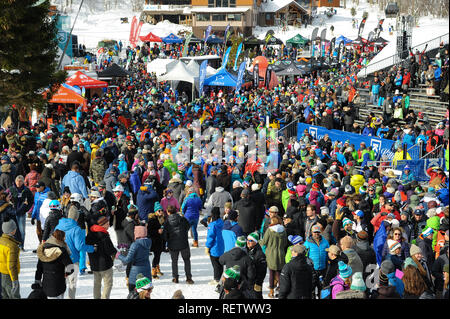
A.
x: 219, y: 9
x: 276, y: 5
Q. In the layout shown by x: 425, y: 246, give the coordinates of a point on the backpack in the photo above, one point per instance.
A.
x: 325, y: 293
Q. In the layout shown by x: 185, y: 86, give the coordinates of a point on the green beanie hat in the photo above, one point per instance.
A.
x: 241, y: 242
x: 233, y: 272
x: 143, y: 283
x: 253, y: 236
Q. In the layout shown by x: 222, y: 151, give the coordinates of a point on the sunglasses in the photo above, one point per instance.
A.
x: 397, y: 234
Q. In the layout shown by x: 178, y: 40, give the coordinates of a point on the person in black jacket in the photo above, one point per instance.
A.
x: 296, y: 280
x: 259, y: 199
x: 52, y: 267
x: 247, y: 213
x: 175, y: 233
x: 51, y: 221
x: 258, y: 257
x: 238, y: 256
x: 102, y: 259
x: 22, y: 199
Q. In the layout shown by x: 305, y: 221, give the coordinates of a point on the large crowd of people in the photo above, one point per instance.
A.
x: 318, y: 224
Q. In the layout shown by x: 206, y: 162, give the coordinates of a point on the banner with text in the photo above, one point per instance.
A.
x: 419, y: 167
x: 379, y: 145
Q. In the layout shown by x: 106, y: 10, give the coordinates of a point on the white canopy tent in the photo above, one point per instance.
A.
x: 194, y: 67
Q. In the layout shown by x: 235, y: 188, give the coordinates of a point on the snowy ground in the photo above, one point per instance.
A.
x: 202, y: 273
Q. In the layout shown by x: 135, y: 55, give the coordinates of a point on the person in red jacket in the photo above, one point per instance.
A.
x: 388, y: 208
x: 406, y: 80
x: 436, y: 172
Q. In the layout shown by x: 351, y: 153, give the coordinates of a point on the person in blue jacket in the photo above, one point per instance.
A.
x: 316, y: 246
x: 407, y: 176
x: 39, y: 197
x: 215, y: 244
x: 135, y: 182
x: 76, y: 241
x: 146, y: 198
x: 74, y: 181
x: 138, y: 256
x: 190, y: 208
x: 231, y: 230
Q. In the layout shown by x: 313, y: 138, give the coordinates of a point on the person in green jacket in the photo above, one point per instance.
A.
x: 287, y: 194
x: 295, y: 240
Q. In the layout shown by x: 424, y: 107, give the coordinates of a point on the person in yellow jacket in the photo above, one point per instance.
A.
x: 398, y: 156
x: 9, y: 261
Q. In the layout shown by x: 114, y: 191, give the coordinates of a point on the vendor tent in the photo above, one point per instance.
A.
x: 213, y: 39
x: 289, y: 67
x: 150, y: 38
x: 194, y: 68
x: 274, y: 41
x: 178, y: 72
x: 298, y: 40
x: 342, y: 38
x: 252, y: 40
x: 221, y: 78
x: 359, y: 41
x: 82, y: 80
x: 380, y: 41
x: 113, y: 71
x: 64, y: 95
x: 172, y: 38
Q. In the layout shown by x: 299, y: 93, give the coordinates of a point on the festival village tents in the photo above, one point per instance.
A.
x: 150, y: 38
x: 82, y: 80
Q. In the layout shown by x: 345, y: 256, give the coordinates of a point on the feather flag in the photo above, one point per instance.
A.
x: 186, y: 43
x: 207, y: 33
x: 238, y: 52
x: 133, y: 28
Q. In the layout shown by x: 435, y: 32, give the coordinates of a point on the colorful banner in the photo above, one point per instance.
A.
x: 207, y: 33
x: 240, y: 77
x: 186, y: 43
x: 202, y: 76
x: 133, y: 28
x: 269, y: 35
x: 137, y: 32
x: 380, y: 146
x: 225, y: 58
x: 256, y: 75
x: 238, y: 52
x: 226, y: 34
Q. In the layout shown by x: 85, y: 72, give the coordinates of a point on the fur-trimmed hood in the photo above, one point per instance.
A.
x: 51, y: 250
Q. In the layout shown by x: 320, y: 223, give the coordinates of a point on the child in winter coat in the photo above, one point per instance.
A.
x: 342, y: 281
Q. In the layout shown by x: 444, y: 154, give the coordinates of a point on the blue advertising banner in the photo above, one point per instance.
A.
x: 225, y: 58
x: 380, y: 146
x: 419, y: 167
x: 202, y: 76
x: 207, y: 33
x: 238, y: 52
x: 240, y: 77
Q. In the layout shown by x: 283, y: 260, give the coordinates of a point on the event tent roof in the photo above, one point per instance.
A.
x: 82, y: 80
x: 113, y: 71
x: 178, y: 72
x: 221, y: 78
x: 65, y: 95
x: 288, y: 67
x: 342, y: 38
x: 150, y: 37
x: 213, y: 39
x: 252, y: 40
x: 172, y: 38
x: 298, y: 40
x: 380, y: 41
x: 359, y: 41
x: 194, y: 67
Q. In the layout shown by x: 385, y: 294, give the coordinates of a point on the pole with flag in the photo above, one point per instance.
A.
x: 226, y: 35
x: 207, y: 33
x: 240, y: 77
x: 225, y: 58
x: 202, y: 76
x: 186, y: 43
x: 238, y: 52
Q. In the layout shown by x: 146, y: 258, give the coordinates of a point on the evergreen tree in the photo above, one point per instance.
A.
x: 28, y: 53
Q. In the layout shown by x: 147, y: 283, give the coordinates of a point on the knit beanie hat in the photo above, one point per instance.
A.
x: 409, y: 262
x: 387, y: 267
x: 346, y: 221
x: 241, y: 242
x: 415, y: 250
x: 345, y: 270
x: 233, y: 272
x: 253, y: 237
x: 393, y: 245
x: 143, y: 283
x: 427, y: 232
x: 157, y: 206
x: 73, y: 213
x: 9, y: 226
x: 295, y: 239
x: 358, y: 282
